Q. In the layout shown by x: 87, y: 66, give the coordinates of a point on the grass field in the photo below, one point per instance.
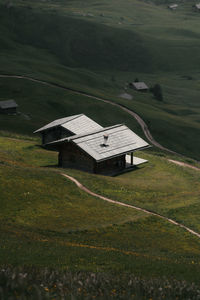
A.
x: 47, y: 221
x: 151, y: 43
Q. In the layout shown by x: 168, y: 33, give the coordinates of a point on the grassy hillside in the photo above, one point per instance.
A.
x: 119, y: 35
x: 47, y: 221
x: 98, y: 48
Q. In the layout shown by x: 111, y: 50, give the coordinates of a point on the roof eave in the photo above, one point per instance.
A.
x: 122, y: 153
x: 57, y: 125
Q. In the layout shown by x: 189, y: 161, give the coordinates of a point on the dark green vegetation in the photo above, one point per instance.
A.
x: 33, y: 283
x: 97, y: 48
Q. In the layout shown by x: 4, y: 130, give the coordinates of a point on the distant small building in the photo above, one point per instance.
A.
x: 8, y: 107
x: 173, y: 6
x: 197, y: 6
x: 139, y: 86
x: 66, y: 127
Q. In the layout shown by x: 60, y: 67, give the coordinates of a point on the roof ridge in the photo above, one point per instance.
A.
x: 77, y: 136
x: 73, y: 118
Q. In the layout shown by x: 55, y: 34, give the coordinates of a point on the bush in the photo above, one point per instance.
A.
x: 157, y: 92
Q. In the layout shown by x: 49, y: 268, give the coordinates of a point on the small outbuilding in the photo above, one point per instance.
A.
x: 197, y: 6
x: 173, y: 6
x: 105, y: 151
x: 65, y: 127
x: 8, y: 107
x: 139, y: 86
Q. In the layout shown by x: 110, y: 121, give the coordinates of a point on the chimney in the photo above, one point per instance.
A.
x: 105, y: 140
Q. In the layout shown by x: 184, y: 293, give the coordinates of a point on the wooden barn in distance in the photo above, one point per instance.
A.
x: 197, y: 6
x: 139, y: 86
x: 98, y: 150
x: 66, y: 127
x: 173, y: 6
x: 8, y: 107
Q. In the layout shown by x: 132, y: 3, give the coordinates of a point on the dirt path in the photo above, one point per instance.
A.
x: 180, y: 163
x: 83, y: 188
x: 129, y: 111
x: 146, y: 132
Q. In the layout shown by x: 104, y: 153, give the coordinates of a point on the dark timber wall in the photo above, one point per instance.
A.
x: 54, y: 134
x: 8, y: 111
x: 112, y: 165
x: 70, y: 156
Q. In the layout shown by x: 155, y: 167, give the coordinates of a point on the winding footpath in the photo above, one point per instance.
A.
x: 83, y: 188
x: 147, y: 134
x: 124, y: 108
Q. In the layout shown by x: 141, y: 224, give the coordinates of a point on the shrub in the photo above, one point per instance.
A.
x: 157, y: 92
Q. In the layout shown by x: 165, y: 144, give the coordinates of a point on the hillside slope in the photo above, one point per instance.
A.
x: 47, y: 221
x: 98, y: 49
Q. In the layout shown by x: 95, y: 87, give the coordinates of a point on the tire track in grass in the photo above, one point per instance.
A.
x: 85, y: 189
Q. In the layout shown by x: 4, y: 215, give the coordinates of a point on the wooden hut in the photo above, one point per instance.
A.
x: 66, y: 127
x: 8, y: 107
x: 139, y: 86
x: 197, y: 6
x: 104, y: 151
x: 173, y: 6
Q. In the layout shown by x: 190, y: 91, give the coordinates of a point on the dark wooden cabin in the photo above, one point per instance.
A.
x: 106, y: 151
x: 67, y: 127
x: 139, y: 86
x: 8, y: 107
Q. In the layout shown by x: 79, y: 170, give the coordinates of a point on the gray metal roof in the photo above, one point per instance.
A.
x: 77, y: 124
x: 198, y: 6
x: 121, y: 140
x: 173, y: 6
x: 8, y: 104
x: 81, y: 125
x: 57, y: 122
x: 140, y: 85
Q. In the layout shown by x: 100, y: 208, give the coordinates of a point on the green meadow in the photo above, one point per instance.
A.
x: 97, y: 48
x: 46, y: 222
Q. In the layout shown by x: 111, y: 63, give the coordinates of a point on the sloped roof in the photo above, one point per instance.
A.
x: 77, y: 124
x: 140, y: 85
x: 81, y: 125
x: 173, y: 6
x: 198, y: 5
x: 121, y: 140
x: 8, y: 104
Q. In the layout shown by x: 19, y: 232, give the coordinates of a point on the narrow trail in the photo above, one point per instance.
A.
x: 83, y: 188
x: 140, y: 121
x: 180, y: 163
x: 146, y: 132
